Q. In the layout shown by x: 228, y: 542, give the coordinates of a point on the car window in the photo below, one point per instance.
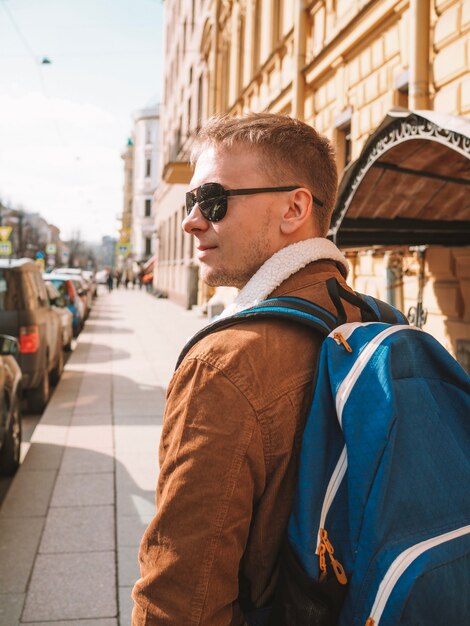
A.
x: 60, y: 285
x: 11, y: 293
x: 41, y: 292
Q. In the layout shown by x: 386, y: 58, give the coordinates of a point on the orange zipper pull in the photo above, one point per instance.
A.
x: 322, y: 564
x: 340, y: 340
x: 325, y: 545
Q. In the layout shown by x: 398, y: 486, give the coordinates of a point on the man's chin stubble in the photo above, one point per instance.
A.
x: 224, y: 279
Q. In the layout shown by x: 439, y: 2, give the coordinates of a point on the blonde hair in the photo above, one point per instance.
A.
x: 292, y: 153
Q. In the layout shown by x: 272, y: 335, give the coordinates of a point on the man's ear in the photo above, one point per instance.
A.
x: 298, y: 212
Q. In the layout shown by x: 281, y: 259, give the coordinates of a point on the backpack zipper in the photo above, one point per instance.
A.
x: 364, y: 357
x: 400, y: 564
x: 325, y: 547
x: 323, y: 543
x: 340, y: 340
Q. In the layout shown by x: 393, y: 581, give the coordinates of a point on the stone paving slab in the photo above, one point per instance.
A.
x: 125, y: 606
x: 72, y: 586
x: 43, y: 456
x: 128, y: 566
x: 78, y: 529
x: 92, y: 437
x: 136, y: 503
x: 29, y: 494
x: 19, y: 541
x: 82, y: 461
x: 83, y: 490
x: 130, y: 529
x: 90, y: 474
x: 11, y: 607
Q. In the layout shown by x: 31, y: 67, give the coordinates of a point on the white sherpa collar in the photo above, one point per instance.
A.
x: 280, y: 266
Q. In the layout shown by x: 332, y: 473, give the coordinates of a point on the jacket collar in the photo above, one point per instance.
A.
x: 280, y: 266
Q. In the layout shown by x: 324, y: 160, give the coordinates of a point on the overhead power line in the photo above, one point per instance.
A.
x: 34, y: 57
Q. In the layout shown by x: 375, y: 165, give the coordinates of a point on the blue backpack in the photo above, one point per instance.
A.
x: 379, y: 534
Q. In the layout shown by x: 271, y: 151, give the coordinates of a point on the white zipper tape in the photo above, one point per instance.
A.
x: 401, y: 563
x: 346, y: 330
x: 333, y: 486
x: 341, y: 398
x: 350, y: 380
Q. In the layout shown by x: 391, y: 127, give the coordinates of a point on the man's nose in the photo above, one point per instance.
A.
x: 195, y: 221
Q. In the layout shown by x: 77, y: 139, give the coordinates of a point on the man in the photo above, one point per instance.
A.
x: 259, y: 208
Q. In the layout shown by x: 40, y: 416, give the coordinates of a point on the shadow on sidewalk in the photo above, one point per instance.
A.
x: 126, y: 402
x: 103, y: 328
x: 94, y: 514
x: 100, y: 353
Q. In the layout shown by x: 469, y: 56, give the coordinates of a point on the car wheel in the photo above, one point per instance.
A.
x: 59, y: 368
x: 10, y: 452
x: 38, y: 397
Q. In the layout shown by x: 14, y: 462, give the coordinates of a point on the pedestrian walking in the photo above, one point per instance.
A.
x: 259, y: 208
x: 110, y: 280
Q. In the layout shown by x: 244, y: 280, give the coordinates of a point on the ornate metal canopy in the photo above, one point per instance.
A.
x: 410, y: 185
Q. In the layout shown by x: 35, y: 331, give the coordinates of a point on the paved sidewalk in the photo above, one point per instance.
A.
x: 72, y: 520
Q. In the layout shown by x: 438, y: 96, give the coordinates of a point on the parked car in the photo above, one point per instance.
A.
x: 84, y: 292
x: 67, y: 290
x: 89, y: 276
x: 10, y: 406
x: 58, y: 303
x: 25, y: 313
x: 86, y: 275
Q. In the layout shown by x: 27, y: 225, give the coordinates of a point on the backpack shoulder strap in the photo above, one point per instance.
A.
x: 372, y: 309
x: 288, y: 308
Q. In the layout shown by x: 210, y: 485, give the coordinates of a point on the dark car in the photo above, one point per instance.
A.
x: 10, y: 402
x: 25, y: 313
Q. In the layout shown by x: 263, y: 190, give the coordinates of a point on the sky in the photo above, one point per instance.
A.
x: 64, y: 125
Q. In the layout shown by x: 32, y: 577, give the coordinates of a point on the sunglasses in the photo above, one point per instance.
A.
x: 212, y: 198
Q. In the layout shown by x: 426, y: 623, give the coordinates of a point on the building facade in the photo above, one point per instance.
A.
x: 140, y: 158
x: 339, y: 65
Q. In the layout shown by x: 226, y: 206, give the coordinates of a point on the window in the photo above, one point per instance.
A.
x: 400, y: 98
x: 342, y: 125
x: 256, y: 37
x: 148, y: 246
x: 463, y: 353
x: 199, y: 101
x: 183, y: 234
x: 189, y: 116
x: 148, y: 167
x: 148, y: 207
x: 11, y: 292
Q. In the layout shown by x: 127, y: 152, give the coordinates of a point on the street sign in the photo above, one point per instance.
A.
x: 51, y: 248
x: 5, y: 232
x: 40, y: 264
x: 5, y: 248
x: 65, y: 256
x: 124, y: 248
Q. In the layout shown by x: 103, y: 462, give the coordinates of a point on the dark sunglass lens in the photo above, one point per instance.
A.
x: 189, y: 202
x: 209, y: 190
x: 214, y: 209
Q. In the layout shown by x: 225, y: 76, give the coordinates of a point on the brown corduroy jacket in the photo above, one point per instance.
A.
x: 233, y: 423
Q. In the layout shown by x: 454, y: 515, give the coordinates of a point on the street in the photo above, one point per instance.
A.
x: 72, y: 518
